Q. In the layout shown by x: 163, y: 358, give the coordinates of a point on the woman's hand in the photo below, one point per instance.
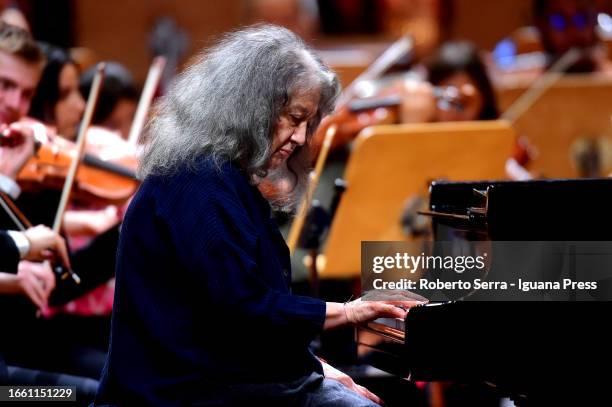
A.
x: 358, y: 311
x: 332, y: 373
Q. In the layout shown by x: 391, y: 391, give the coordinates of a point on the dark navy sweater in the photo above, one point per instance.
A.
x: 203, y: 313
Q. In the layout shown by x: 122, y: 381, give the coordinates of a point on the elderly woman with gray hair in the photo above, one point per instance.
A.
x: 203, y: 310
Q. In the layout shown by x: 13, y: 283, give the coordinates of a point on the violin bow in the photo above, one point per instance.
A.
x: 390, y: 56
x: 11, y: 209
x: 540, y: 85
x: 152, y: 82
x: 399, y: 48
x: 80, y: 146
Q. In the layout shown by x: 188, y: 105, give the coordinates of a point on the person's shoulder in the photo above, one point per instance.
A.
x: 222, y: 177
x: 203, y: 170
x: 208, y: 168
x: 204, y: 180
x: 201, y: 194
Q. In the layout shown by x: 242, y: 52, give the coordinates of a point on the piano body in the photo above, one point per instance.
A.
x: 535, y: 352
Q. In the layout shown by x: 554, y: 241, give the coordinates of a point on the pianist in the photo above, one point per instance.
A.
x: 203, y: 313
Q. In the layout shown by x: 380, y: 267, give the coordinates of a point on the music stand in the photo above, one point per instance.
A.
x: 390, y: 164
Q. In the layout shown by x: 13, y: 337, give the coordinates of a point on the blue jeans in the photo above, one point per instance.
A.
x: 315, y: 391
x: 333, y: 393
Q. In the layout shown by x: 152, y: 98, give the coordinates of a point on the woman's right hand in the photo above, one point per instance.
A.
x: 358, y: 311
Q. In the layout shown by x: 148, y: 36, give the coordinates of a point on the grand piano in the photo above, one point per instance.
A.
x: 536, y: 353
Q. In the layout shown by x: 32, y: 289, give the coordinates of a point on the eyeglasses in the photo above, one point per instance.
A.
x: 561, y: 22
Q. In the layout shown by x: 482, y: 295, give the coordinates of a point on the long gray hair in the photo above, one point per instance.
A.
x: 227, y: 104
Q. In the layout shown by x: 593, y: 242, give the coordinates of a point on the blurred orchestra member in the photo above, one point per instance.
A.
x: 203, y: 310
x: 58, y: 101
x: 21, y: 63
x: 458, y: 88
x: 458, y: 65
x: 118, y: 98
x: 567, y: 24
x: 10, y: 14
x: 36, y: 344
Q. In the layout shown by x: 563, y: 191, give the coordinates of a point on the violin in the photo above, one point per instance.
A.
x: 390, y: 105
x: 107, y: 172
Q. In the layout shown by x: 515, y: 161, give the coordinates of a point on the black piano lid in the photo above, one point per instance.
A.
x: 560, y: 209
x: 549, y: 351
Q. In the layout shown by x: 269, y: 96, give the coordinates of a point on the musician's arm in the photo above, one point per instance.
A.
x: 335, y: 315
x: 36, y: 244
x: 9, y: 252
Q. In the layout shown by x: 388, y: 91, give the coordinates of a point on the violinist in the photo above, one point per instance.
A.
x: 58, y: 101
x: 26, y: 282
x: 118, y: 98
x: 92, y: 229
x: 21, y: 65
x: 566, y: 24
x: 560, y: 26
x: 58, y: 104
x: 457, y: 64
x: 450, y: 85
x: 457, y: 70
x: 203, y: 311
x: 33, y: 284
